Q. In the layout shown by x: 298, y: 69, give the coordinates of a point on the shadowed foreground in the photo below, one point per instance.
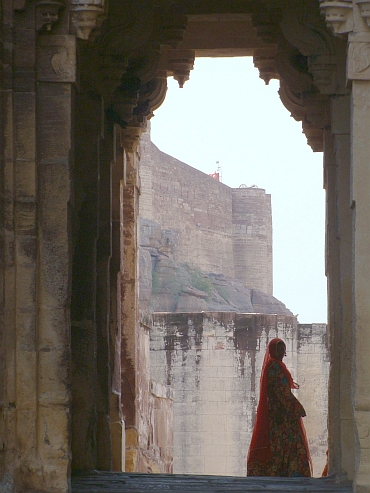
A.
x: 104, y: 482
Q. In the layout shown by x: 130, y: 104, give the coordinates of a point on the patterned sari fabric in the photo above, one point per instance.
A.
x: 279, y: 445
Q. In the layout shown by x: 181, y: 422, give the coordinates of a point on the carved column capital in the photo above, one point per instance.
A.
x: 47, y: 13
x: 338, y: 15
x: 86, y: 15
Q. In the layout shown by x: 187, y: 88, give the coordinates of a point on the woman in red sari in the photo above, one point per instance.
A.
x: 279, y: 445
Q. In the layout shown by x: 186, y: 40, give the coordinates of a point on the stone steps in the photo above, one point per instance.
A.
x: 111, y: 482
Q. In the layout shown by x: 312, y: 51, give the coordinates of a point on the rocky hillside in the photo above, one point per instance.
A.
x: 169, y: 286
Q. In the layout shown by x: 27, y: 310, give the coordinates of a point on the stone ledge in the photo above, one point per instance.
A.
x: 104, y: 482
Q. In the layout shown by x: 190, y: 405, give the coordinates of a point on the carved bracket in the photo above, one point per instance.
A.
x: 292, y: 102
x: 338, y: 15
x: 365, y: 10
x: 86, y: 16
x: 312, y: 110
x: 180, y: 63
x: 315, y: 136
x: 323, y: 69
x: 47, y: 13
x: 265, y: 60
x: 130, y: 136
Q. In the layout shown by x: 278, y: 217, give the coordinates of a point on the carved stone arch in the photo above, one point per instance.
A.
x: 304, y: 27
x: 131, y: 51
x: 292, y: 101
x: 311, y: 109
x: 152, y: 95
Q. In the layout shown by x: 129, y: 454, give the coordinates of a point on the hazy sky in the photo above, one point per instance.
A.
x: 226, y: 113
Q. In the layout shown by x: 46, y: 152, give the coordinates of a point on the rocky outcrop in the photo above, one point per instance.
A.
x: 169, y: 286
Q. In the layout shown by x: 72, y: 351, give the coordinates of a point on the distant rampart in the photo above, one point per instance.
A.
x: 220, y: 229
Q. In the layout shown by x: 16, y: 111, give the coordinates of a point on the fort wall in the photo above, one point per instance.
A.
x: 212, y: 361
x: 220, y: 229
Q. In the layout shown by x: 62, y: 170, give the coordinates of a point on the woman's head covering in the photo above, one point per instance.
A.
x: 259, y: 449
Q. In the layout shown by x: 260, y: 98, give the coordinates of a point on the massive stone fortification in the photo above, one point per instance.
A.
x: 213, y: 227
x: 212, y: 361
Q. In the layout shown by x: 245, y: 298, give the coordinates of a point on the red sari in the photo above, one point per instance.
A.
x: 279, y: 445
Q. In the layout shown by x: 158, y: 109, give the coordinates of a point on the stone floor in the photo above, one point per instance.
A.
x: 109, y: 482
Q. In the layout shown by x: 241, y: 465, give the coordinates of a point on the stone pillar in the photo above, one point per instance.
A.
x: 36, y: 160
x: 116, y: 269
x: 339, y: 272
x: 8, y: 206
x: 54, y: 161
x: 358, y: 70
x: 340, y: 128
x: 360, y: 171
x: 129, y: 290
x: 333, y: 280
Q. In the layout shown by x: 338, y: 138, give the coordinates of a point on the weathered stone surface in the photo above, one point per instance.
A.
x: 166, y: 285
x: 219, y: 229
x: 213, y: 362
x: 138, y: 483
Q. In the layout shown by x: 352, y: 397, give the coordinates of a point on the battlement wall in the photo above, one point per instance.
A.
x: 220, y: 229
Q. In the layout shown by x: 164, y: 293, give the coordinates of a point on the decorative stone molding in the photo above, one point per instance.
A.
x: 154, y: 92
x: 47, y: 13
x: 180, y: 63
x: 130, y: 136
x: 265, y: 60
x: 293, y: 102
x: 306, y: 31
x: 125, y: 99
x: 56, y: 58
x: 315, y: 136
x: 365, y: 10
x: 338, y: 15
x: 112, y: 67
x: 293, y: 68
x: 323, y: 69
x: 317, y: 110
x: 86, y: 16
x: 358, y: 59
x: 312, y: 110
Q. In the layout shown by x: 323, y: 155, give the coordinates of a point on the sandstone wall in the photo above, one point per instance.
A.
x: 220, y: 229
x: 213, y: 362
x: 252, y: 242
x: 149, y: 442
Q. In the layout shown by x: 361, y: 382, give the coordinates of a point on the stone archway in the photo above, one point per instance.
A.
x: 79, y: 80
